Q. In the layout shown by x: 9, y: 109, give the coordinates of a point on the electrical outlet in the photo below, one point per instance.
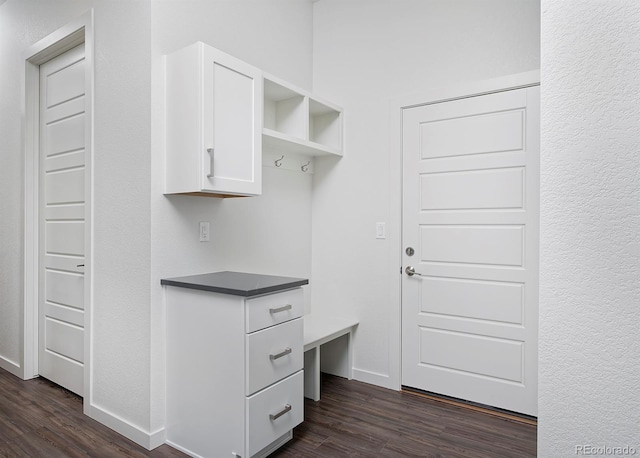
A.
x: 204, y: 231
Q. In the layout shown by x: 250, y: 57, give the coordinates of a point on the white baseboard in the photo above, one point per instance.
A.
x: 157, y: 438
x: 148, y: 440
x: 183, y: 450
x: 374, y: 378
x: 11, y: 367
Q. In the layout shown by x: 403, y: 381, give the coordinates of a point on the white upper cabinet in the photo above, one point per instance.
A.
x: 213, y: 124
x: 298, y: 122
x: 220, y: 115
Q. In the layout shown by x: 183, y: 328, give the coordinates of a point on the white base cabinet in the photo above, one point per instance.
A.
x: 234, y: 371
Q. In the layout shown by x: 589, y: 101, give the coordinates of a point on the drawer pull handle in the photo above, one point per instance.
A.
x: 284, y: 308
x: 274, y: 416
x: 284, y: 352
x: 210, y: 174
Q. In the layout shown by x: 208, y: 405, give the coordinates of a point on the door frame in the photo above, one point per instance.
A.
x: 69, y: 36
x: 436, y: 95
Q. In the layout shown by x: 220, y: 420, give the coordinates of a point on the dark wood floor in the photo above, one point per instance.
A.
x: 359, y: 420
x: 40, y: 419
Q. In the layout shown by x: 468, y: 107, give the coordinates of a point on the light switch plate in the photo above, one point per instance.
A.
x: 204, y: 231
x: 381, y: 230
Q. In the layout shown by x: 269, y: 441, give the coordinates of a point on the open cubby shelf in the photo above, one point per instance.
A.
x: 297, y: 122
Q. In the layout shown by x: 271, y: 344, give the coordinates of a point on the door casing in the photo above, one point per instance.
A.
x: 72, y: 34
x: 436, y: 95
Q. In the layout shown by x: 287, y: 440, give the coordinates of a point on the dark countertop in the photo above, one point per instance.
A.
x: 236, y: 283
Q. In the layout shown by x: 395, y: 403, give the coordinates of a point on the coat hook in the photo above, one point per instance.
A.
x: 305, y: 167
x: 278, y: 162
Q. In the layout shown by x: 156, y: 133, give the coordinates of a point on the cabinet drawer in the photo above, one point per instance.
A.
x: 265, y: 311
x: 274, y: 411
x: 273, y: 354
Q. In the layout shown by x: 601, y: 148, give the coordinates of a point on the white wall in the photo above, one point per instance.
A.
x: 269, y: 234
x: 120, y: 313
x: 366, y: 53
x: 590, y: 226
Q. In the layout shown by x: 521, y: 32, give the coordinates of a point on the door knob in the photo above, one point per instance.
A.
x: 410, y: 271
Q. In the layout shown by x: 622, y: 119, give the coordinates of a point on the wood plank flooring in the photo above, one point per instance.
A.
x: 360, y: 420
x: 40, y: 419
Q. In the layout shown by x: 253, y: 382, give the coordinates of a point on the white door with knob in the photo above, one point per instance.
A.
x: 62, y: 220
x: 470, y: 215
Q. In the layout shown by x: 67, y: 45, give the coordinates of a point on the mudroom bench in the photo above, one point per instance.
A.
x: 319, y: 330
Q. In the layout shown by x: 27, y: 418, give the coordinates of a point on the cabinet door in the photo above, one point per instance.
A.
x: 232, y: 125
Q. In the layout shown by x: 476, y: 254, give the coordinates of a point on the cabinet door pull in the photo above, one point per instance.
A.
x: 274, y: 416
x: 210, y: 151
x: 284, y: 352
x: 281, y: 309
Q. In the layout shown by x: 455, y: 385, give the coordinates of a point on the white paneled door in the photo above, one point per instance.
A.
x: 470, y: 217
x: 62, y: 220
